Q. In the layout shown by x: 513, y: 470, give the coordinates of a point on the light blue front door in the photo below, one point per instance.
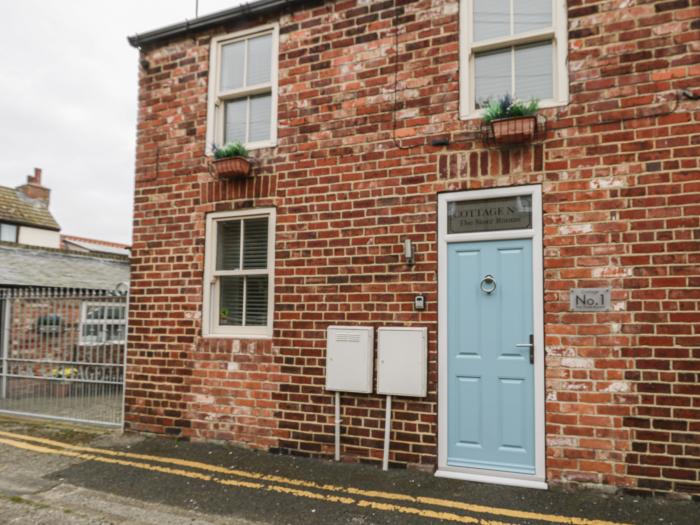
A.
x: 491, y: 412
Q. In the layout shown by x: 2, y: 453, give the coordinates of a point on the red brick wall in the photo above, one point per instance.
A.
x: 621, y: 209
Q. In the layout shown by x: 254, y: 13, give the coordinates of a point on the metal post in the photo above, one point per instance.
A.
x: 5, y: 345
x: 387, y: 434
x: 337, y: 426
x: 124, y: 346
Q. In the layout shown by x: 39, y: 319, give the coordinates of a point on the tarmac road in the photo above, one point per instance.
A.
x: 55, y: 474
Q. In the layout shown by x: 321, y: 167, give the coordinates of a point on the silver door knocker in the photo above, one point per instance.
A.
x: 488, y: 284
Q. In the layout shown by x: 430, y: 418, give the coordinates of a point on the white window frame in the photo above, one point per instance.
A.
x: 216, y: 106
x: 210, y: 307
x: 557, y: 34
x: 84, y: 321
x: 10, y: 225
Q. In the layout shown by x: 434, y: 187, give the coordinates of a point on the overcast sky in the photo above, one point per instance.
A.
x: 68, y: 87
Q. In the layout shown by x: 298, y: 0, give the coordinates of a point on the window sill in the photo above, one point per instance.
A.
x: 267, y: 144
x: 253, y: 146
x: 547, y: 104
x: 238, y: 336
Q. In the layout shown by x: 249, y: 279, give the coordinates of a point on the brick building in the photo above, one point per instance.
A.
x: 362, y: 119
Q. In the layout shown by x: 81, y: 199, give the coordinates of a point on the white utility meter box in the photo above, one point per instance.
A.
x: 402, y: 368
x: 349, y: 358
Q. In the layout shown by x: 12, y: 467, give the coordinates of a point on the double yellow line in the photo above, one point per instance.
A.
x: 296, y: 487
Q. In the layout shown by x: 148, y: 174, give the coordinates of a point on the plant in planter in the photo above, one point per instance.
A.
x: 511, y: 121
x: 231, y: 160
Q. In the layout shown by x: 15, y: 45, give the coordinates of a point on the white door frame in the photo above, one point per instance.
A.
x: 536, y: 480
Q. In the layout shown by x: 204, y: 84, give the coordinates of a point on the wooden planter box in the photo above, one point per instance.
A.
x: 231, y: 167
x: 514, y: 130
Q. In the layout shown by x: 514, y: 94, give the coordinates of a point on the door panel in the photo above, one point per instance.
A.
x: 511, y: 396
x: 470, y: 388
x: 490, y: 380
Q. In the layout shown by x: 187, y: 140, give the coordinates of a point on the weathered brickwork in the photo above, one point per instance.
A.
x: 354, y: 173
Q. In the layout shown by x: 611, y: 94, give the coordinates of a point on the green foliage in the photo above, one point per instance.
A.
x: 506, y: 107
x: 232, y: 149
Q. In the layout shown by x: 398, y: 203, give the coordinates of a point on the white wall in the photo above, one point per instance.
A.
x: 39, y: 237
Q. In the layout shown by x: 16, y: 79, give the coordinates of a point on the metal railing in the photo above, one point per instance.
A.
x: 62, y: 354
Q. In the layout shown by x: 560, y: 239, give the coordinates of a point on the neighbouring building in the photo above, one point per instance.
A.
x: 41, y: 268
x: 24, y: 214
x: 62, y: 314
x: 58, y: 306
x: 36, y: 267
x: 87, y: 245
x: 560, y: 277
x: 34, y: 253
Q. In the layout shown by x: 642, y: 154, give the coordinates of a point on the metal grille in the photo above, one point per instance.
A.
x: 62, y: 354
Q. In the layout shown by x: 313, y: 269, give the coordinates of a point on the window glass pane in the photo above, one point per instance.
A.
x: 492, y: 75
x: 235, y: 121
x: 113, y: 312
x: 259, y: 59
x: 114, y: 332
x: 491, y: 19
x: 228, y: 249
x: 255, y: 244
x: 232, y: 65
x: 231, y: 301
x: 8, y: 232
x: 532, y: 14
x: 533, y: 71
x: 260, y: 108
x: 94, y: 312
x: 92, y: 333
x: 256, y: 301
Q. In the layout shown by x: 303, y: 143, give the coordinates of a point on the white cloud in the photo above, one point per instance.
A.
x: 68, y: 91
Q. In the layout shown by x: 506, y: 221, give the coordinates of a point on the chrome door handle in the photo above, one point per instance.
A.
x: 531, y: 346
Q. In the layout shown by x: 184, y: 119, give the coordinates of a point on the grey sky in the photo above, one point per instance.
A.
x: 68, y: 102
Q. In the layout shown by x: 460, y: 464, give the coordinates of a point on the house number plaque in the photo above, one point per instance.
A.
x: 589, y: 299
x: 487, y: 215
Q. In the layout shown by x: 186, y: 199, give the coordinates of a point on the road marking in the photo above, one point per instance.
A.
x: 436, y: 515
x: 425, y: 500
x: 155, y: 468
x: 425, y: 513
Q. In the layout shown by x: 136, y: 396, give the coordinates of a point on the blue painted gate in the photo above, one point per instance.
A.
x: 490, y: 378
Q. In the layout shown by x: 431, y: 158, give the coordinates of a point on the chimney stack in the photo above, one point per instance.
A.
x: 33, y: 188
x: 36, y: 178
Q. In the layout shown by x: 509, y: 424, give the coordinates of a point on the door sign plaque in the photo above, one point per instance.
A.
x: 486, y: 215
x: 589, y: 299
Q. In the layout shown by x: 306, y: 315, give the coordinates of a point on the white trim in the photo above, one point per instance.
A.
x: 535, y: 233
x: 558, y: 34
x: 211, y: 328
x: 512, y: 481
x: 501, y: 42
x: 215, y: 99
x: 561, y: 51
